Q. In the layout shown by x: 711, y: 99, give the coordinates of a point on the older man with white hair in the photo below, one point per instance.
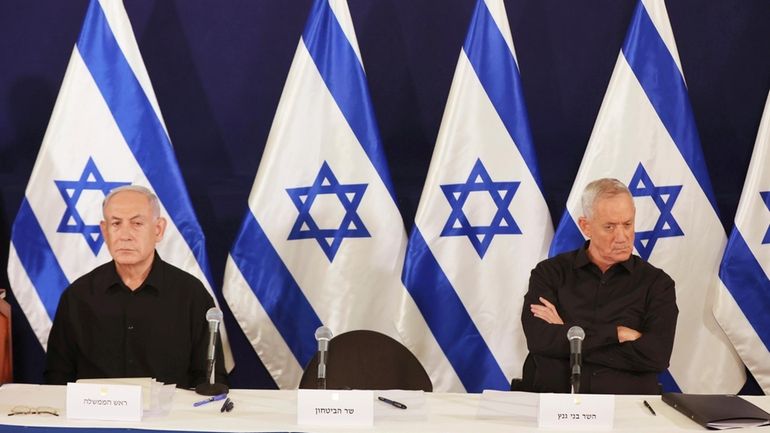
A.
x: 626, y: 306
x: 136, y: 316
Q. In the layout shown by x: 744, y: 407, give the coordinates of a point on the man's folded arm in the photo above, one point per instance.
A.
x: 546, y: 336
x: 543, y: 338
x: 652, y: 351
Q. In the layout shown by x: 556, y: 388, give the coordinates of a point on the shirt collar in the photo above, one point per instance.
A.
x: 581, y: 259
x: 109, y: 279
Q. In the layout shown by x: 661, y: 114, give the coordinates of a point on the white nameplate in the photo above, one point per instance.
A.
x: 104, y: 402
x: 335, y: 408
x: 576, y: 411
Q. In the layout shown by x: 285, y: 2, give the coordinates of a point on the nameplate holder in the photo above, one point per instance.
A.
x: 576, y: 411
x: 335, y: 408
x: 104, y: 402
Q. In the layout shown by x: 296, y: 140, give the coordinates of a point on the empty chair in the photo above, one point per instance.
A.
x: 368, y: 360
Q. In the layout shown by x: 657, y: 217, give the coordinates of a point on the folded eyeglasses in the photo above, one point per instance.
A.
x: 27, y: 410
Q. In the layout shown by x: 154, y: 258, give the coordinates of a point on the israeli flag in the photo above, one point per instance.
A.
x: 742, y: 308
x: 106, y: 130
x: 482, y: 223
x: 323, y: 241
x: 645, y: 136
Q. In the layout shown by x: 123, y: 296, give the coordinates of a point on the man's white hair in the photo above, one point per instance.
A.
x: 151, y: 197
x: 600, y: 189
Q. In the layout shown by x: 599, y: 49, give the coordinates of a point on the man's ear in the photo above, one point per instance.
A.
x: 585, y: 226
x: 160, y: 229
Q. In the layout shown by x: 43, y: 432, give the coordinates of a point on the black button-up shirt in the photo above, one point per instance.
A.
x: 632, y: 293
x: 103, y: 329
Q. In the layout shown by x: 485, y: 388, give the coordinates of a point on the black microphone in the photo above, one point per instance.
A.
x: 575, y: 335
x: 210, y: 387
x: 322, y: 335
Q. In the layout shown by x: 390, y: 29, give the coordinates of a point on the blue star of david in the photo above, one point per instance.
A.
x: 501, y: 193
x: 349, y: 195
x: 766, y: 198
x: 71, y: 221
x: 664, y: 198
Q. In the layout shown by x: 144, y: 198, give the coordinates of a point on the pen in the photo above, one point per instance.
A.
x: 210, y: 399
x: 649, y: 407
x: 227, y: 406
x: 392, y: 402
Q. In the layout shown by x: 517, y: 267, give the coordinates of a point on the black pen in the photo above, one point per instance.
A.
x: 649, y: 407
x: 227, y: 406
x: 392, y: 402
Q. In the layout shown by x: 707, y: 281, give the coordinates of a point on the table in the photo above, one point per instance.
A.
x: 273, y: 411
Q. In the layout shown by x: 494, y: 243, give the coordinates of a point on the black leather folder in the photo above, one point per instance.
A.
x: 717, y: 411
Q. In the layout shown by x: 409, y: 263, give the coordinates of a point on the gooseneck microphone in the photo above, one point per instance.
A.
x: 322, y: 335
x: 575, y: 335
x: 210, y: 387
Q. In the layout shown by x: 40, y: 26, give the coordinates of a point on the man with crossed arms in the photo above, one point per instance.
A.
x: 626, y: 306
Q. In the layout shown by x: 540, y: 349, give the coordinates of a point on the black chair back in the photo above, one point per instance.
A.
x: 366, y: 359
x: 526, y: 381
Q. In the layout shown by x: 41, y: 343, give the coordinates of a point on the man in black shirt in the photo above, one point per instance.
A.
x: 136, y: 316
x: 626, y: 306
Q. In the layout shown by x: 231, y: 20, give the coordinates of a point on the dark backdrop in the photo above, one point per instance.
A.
x: 218, y: 69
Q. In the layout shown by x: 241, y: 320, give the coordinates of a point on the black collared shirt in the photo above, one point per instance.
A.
x: 102, y: 329
x: 632, y: 293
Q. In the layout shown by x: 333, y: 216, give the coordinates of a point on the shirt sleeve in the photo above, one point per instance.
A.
x: 652, y: 351
x: 543, y: 338
x: 60, y: 365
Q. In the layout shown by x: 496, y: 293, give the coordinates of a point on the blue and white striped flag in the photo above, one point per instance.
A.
x: 645, y: 136
x: 482, y: 223
x: 323, y: 241
x: 106, y: 130
x: 742, y: 309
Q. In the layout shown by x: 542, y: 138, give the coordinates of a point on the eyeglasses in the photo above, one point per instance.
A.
x: 26, y: 410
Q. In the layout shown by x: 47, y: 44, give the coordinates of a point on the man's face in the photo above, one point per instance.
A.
x: 611, y: 230
x: 130, y: 228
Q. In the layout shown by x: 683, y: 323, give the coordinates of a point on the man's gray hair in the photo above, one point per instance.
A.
x: 600, y: 189
x: 151, y: 197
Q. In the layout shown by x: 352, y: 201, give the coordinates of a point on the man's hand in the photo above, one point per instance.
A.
x: 627, y: 334
x: 547, y: 312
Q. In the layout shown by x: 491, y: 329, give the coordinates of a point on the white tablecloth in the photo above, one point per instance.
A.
x: 267, y: 410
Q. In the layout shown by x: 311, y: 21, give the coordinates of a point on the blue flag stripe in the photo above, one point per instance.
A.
x: 667, y: 381
x: 748, y: 284
x: 568, y: 236
x: 663, y: 84
x: 449, y: 321
x: 139, y: 125
x: 344, y: 76
x: 496, y: 68
x: 38, y: 258
x: 277, y: 291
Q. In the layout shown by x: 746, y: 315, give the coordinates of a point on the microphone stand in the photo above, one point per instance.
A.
x: 575, y: 379
x: 322, y: 335
x: 321, y: 377
x: 210, y: 387
x: 575, y: 335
